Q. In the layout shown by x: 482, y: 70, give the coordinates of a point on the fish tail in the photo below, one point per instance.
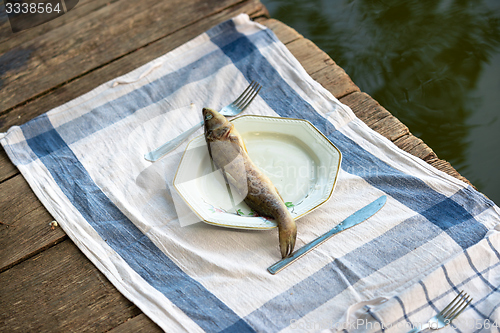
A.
x: 287, y: 234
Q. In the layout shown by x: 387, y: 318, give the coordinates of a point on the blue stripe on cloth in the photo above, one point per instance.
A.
x: 492, y: 311
x: 296, y: 302
x: 493, y: 248
x: 431, y: 302
x: 405, y: 315
x: 479, y: 274
x: 127, y: 240
x: 494, y: 289
x: 456, y: 289
x: 412, y: 192
x: 476, y: 304
x: 426, y: 293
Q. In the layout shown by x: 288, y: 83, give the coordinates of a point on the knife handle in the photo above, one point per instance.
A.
x: 273, y: 269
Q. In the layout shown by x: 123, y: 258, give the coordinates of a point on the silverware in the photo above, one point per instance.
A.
x: 230, y: 110
x: 356, y: 218
x: 446, y: 316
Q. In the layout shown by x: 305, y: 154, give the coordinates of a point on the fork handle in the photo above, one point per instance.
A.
x: 167, y: 147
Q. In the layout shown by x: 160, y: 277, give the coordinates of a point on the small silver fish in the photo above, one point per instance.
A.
x: 228, y: 151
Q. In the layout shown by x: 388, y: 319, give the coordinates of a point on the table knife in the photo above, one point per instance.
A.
x: 356, y: 218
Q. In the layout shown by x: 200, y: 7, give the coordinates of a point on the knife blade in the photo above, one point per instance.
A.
x: 356, y: 218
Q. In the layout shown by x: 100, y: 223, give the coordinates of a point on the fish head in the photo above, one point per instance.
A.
x: 217, y: 127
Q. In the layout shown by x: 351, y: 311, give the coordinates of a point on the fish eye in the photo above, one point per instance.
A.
x: 208, y: 117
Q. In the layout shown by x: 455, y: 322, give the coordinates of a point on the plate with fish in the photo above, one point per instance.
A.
x: 295, y: 156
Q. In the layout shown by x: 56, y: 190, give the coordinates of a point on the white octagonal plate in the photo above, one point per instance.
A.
x: 300, y: 161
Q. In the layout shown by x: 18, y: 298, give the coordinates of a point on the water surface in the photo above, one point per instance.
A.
x: 433, y: 64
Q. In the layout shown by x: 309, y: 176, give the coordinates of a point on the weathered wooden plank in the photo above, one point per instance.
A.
x: 375, y: 116
x: 331, y: 77
x: 9, y: 40
x: 7, y: 169
x: 31, y: 232
x: 84, y: 84
x: 69, y: 91
x: 284, y: 33
x: 390, y: 127
x: 25, y: 229
x: 58, y: 56
x: 311, y: 56
x: 449, y: 169
x: 5, y: 30
x: 335, y: 80
x: 322, y: 68
x: 28, y: 236
x: 16, y: 199
x: 68, y: 305
x: 365, y: 107
x: 416, y: 147
x: 59, y: 290
x: 138, y: 324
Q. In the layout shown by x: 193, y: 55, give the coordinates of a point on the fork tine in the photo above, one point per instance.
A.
x: 450, y: 304
x: 250, y: 99
x: 463, y: 308
x: 237, y: 100
x: 249, y: 95
x: 455, y: 307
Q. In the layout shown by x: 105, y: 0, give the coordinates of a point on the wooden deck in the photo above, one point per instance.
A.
x: 46, y: 283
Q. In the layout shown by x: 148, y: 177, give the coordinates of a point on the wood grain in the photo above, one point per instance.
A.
x: 25, y: 229
x: 9, y: 40
x: 82, y: 45
x: 59, y: 290
x: 16, y: 200
x: 7, y: 169
x: 284, y: 33
x: 138, y: 324
x: 375, y: 116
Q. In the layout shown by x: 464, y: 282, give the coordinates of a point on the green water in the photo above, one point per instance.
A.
x: 433, y: 64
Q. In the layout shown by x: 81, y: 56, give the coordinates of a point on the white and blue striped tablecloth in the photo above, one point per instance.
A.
x: 84, y: 160
x: 475, y: 271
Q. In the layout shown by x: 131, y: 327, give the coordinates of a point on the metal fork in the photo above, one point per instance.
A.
x: 232, y: 109
x: 446, y: 316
